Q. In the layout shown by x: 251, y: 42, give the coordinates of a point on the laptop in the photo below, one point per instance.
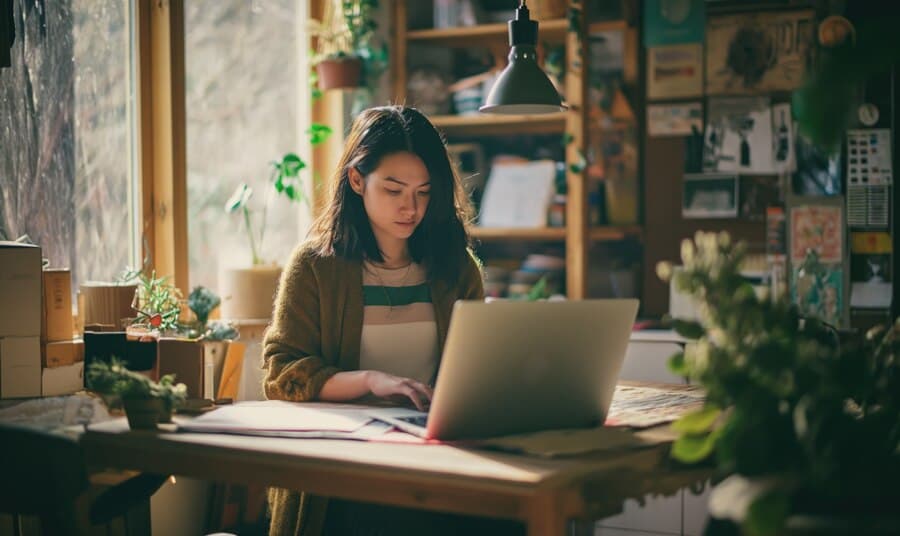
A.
x: 513, y: 367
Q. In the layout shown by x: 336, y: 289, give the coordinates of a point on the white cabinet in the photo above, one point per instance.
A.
x: 647, y: 356
x: 659, y: 515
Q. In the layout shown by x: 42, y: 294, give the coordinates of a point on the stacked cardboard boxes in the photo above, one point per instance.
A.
x: 63, y: 354
x: 20, y: 320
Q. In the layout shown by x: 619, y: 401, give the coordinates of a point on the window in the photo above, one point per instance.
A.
x: 67, y: 151
x: 245, y: 81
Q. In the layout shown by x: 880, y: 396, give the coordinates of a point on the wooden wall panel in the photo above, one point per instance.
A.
x: 665, y: 228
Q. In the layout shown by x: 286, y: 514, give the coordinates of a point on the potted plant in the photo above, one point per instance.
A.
x: 345, y: 55
x: 215, y: 335
x: 146, y: 402
x: 801, y: 421
x: 248, y: 292
x: 158, y: 306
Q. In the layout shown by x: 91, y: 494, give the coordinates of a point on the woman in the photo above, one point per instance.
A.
x: 363, y: 306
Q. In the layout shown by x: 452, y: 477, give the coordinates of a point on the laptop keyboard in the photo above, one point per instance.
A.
x: 417, y: 420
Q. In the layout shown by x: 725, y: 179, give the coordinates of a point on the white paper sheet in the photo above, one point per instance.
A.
x: 518, y: 195
x: 278, y: 416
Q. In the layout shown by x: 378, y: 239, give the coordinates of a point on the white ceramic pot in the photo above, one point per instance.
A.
x: 248, y: 293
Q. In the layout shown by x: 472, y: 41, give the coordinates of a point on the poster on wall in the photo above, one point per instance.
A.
x: 754, y: 53
x: 818, y: 261
x: 870, y: 270
x: 738, y: 136
x: 681, y: 119
x: 675, y: 71
x: 673, y: 22
x: 783, y: 139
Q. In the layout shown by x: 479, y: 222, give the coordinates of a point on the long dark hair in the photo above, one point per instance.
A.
x: 343, y: 227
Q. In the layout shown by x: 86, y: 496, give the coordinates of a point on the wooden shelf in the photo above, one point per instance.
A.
x: 553, y: 31
x: 614, y: 232
x: 485, y: 124
x: 607, y: 26
x: 554, y: 234
x: 515, y: 233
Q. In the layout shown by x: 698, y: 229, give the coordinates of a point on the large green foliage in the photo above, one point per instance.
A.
x: 787, y: 397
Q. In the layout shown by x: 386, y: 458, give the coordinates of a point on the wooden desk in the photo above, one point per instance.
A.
x: 544, y: 493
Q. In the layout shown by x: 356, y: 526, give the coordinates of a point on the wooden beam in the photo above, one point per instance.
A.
x: 162, y: 138
x: 398, y: 52
x: 327, y: 110
x: 577, y: 225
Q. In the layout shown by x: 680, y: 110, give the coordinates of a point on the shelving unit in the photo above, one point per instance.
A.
x: 552, y: 31
x: 555, y: 234
x: 471, y: 125
x: 578, y: 235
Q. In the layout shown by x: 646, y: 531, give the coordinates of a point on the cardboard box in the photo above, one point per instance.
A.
x: 57, y: 305
x: 20, y: 284
x: 183, y: 358
x: 62, y: 380
x: 20, y: 367
x: 63, y: 353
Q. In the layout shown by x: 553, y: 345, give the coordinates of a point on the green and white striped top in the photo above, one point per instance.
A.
x: 399, y: 333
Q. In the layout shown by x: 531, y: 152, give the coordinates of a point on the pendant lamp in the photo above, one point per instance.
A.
x: 522, y: 87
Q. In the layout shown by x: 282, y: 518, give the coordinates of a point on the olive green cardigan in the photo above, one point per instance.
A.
x: 315, y: 333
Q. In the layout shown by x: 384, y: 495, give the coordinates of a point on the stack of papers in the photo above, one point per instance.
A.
x: 287, y: 419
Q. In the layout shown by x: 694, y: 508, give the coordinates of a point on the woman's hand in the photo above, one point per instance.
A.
x: 382, y: 384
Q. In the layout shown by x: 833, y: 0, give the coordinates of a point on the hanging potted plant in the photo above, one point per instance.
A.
x: 345, y: 56
x: 146, y: 402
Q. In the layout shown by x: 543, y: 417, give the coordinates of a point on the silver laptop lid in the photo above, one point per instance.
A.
x: 514, y: 367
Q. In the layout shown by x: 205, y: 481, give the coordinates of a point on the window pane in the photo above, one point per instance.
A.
x: 243, y: 92
x: 66, y: 164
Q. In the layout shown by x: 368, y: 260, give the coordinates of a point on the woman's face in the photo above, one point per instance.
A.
x: 395, y: 195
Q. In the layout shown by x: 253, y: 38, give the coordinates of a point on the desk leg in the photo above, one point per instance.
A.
x: 547, y: 517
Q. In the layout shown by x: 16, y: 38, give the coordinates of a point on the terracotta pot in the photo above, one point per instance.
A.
x: 248, y: 293
x: 339, y: 73
x: 145, y: 413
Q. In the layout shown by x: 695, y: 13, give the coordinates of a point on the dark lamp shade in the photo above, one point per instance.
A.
x: 522, y: 87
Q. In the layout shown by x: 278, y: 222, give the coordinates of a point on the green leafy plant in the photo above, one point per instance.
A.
x: 203, y: 301
x: 220, y: 330
x: 156, y: 301
x: 801, y: 418
x: 113, y: 379
x: 286, y: 182
x: 347, y: 30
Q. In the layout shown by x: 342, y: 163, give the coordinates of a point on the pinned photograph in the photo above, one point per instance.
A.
x: 739, y: 136
x: 783, y: 138
x: 674, y: 119
x: 709, y: 195
x: 675, y: 71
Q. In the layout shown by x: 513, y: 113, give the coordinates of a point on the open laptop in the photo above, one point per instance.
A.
x: 514, y: 367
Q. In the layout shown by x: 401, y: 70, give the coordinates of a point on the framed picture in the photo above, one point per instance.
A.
x: 675, y: 71
x: 709, y: 195
x: 818, y: 258
x: 752, y: 53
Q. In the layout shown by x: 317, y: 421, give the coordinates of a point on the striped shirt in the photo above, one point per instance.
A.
x: 399, y: 334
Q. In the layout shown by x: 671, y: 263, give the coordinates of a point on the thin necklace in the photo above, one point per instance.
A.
x: 384, y: 287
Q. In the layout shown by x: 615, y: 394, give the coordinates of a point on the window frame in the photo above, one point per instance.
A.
x: 161, y: 131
